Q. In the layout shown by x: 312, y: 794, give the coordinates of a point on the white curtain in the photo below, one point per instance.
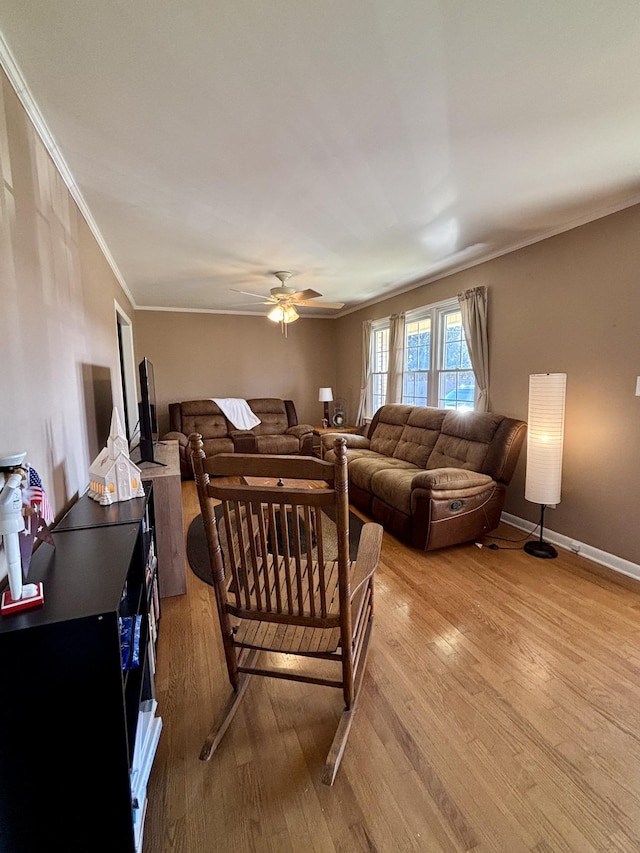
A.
x: 473, y: 309
x: 396, y: 358
x: 366, y: 372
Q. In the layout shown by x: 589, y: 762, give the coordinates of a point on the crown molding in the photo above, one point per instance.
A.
x: 221, y: 311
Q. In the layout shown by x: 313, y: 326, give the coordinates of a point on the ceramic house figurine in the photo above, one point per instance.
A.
x: 113, y: 476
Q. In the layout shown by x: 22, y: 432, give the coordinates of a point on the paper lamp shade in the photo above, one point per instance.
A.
x: 545, y: 437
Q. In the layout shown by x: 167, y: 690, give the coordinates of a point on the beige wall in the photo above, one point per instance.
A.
x: 198, y: 356
x: 568, y: 304
x: 58, y: 350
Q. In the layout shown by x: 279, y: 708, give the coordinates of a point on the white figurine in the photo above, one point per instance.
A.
x: 12, y: 522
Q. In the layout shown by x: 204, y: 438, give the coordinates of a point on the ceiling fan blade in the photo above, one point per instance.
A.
x: 301, y: 295
x: 264, y: 300
x: 304, y: 298
x: 313, y: 304
x: 247, y: 293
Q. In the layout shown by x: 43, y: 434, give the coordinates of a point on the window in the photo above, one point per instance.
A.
x: 456, y: 381
x: 437, y: 368
x: 417, y: 362
x: 379, y: 364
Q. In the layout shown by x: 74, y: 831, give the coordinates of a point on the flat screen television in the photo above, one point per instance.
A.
x: 147, y: 412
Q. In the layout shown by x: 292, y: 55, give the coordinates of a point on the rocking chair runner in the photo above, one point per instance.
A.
x: 276, y: 591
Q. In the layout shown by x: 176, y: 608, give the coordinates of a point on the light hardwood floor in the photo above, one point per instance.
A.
x: 500, y: 712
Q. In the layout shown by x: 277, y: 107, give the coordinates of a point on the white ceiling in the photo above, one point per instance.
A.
x: 365, y: 145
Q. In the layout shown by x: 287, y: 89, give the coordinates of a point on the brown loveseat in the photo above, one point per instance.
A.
x: 432, y: 477
x: 278, y: 431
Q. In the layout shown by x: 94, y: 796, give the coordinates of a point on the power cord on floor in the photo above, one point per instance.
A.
x: 494, y: 547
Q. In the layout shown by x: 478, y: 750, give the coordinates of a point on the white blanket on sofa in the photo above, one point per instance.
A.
x: 237, y: 411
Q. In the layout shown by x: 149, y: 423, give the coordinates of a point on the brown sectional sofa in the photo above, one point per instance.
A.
x: 278, y: 431
x: 432, y: 477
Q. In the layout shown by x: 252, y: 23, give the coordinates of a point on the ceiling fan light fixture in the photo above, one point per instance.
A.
x: 289, y: 314
x: 284, y: 301
x: 283, y: 314
x: 276, y: 314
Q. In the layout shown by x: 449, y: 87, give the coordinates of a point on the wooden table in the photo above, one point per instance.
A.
x: 167, y: 500
x: 284, y: 483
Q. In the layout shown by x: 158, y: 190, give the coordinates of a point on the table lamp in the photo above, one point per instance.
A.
x: 325, y: 396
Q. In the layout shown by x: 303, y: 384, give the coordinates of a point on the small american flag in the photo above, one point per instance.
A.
x: 37, y: 497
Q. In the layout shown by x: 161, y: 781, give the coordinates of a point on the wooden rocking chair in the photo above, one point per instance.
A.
x: 278, y: 588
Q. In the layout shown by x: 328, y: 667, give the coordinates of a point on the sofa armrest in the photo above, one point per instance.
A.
x: 353, y: 440
x: 304, y: 434
x: 180, y: 437
x: 299, y: 430
x: 244, y: 441
x: 446, y: 483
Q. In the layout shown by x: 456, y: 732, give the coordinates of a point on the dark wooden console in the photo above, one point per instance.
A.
x: 72, y: 768
x: 167, y: 492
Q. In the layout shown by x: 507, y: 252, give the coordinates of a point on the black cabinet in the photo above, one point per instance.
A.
x: 72, y: 719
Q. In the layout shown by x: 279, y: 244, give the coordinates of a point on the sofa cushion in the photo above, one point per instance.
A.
x: 278, y: 444
x: 273, y: 416
x: 393, y: 486
x: 363, y: 468
x: 419, y: 435
x: 464, y: 441
x: 389, y: 427
x: 351, y: 453
x: 206, y: 419
x: 217, y: 445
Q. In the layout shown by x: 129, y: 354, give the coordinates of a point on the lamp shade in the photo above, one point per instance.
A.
x: 545, y: 437
x: 326, y: 395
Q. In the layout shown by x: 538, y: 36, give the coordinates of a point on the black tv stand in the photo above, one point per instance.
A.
x: 144, y: 462
x: 135, y: 454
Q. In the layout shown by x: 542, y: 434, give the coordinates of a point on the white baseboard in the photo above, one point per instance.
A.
x: 617, y: 564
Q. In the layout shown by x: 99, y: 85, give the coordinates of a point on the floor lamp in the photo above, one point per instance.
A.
x: 545, y: 438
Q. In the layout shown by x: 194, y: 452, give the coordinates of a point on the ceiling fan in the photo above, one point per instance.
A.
x: 286, y: 299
